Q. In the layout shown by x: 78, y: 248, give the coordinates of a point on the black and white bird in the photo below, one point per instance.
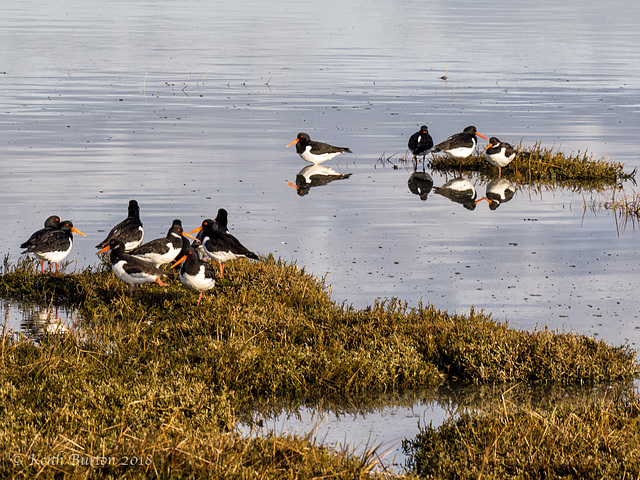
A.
x: 316, y: 152
x: 162, y: 250
x: 222, y: 220
x: 53, y: 244
x: 51, y: 223
x: 196, y: 274
x: 460, y: 145
x: 220, y: 245
x: 132, y: 270
x: 420, y: 143
x: 129, y: 231
x: 499, y: 154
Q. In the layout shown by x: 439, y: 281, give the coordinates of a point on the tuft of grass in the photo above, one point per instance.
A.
x: 535, y: 164
x: 594, y: 440
x: 156, y: 378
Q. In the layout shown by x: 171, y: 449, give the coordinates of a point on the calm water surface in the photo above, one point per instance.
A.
x: 187, y: 106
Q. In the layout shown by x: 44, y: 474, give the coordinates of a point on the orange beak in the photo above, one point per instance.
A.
x: 292, y: 185
x: 184, y: 257
x: 189, y: 236
x: 488, y: 147
x: 103, y: 250
x: 196, y: 230
x: 75, y: 230
x: 482, y: 136
x: 483, y: 198
x: 293, y: 143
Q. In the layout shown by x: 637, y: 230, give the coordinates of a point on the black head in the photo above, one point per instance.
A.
x: 221, y: 218
x: 470, y: 129
x: 176, y: 229
x: 52, y: 222
x: 303, y: 138
x: 116, y: 245
x: 494, y: 141
x: 208, y: 224
x: 424, y: 129
x: 66, y: 226
x: 134, y: 209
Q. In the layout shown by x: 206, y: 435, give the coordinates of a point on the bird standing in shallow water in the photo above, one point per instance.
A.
x: 220, y: 245
x: 129, y: 231
x: 460, y: 145
x: 196, y: 274
x: 52, y: 245
x: 499, y: 154
x: 132, y: 270
x: 420, y: 143
x: 316, y: 152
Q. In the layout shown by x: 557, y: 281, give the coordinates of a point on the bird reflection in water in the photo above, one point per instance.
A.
x: 315, y: 176
x: 459, y: 190
x: 39, y: 321
x: 420, y: 183
x: 499, y: 191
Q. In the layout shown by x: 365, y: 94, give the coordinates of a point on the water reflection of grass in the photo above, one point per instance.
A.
x: 155, y: 378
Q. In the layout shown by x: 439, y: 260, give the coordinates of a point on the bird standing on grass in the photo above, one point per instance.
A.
x: 162, y: 250
x: 316, y: 152
x: 51, y: 223
x: 460, y: 145
x: 499, y: 154
x: 220, y: 245
x: 129, y: 231
x: 132, y: 270
x: 420, y: 143
x: 196, y: 274
x: 52, y: 245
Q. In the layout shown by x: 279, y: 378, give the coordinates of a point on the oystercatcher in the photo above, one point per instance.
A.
x: 221, y: 220
x: 316, y: 152
x: 499, y: 154
x: 51, y: 223
x: 196, y: 274
x: 52, y: 245
x: 132, y: 270
x: 220, y: 245
x: 129, y: 231
x: 420, y: 143
x: 162, y: 250
x: 460, y: 145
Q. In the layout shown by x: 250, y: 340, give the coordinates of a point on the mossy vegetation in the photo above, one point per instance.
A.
x: 155, y: 378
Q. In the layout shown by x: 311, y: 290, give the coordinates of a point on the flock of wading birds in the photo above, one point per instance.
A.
x: 136, y: 263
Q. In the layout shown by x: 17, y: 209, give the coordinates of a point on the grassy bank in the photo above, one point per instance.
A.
x: 156, y: 379
x: 595, y: 440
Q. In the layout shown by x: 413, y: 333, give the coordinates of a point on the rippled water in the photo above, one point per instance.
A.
x: 187, y: 106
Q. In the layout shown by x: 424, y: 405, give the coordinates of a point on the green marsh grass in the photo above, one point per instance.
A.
x: 155, y: 378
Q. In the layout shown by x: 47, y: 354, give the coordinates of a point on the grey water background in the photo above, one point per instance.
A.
x: 186, y: 106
